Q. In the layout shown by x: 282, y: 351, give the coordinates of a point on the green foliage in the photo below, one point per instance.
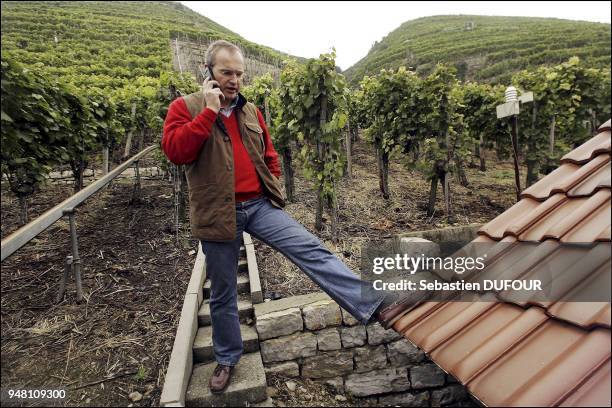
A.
x: 571, y: 93
x: 392, y: 107
x: 115, y: 63
x: 262, y: 92
x: 305, y: 91
x: 422, y: 118
x: 356, y: 112
x: 437, y: 120
x: 87, y: 67
x: 141, y: 374
x: 115, y: 44
x: 260, y: 89
x: 289, y: 112
x: 35, y: 125
x: 478, y: 108
x: 491, y: 51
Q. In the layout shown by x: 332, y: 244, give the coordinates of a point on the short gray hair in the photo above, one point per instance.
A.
x: 214, y: 47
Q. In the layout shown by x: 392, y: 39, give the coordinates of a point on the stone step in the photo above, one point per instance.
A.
x: 203, y: 345
x: 245, y: 311
x: 243, y: 266
x: 247, y: 385
x: 244, y: 285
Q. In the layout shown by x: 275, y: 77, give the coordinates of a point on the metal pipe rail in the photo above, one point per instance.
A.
x: 29, y: 231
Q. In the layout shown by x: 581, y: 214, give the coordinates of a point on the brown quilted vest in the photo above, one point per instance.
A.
x: 211, y: 176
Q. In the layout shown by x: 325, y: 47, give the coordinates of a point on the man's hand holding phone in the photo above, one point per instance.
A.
x: 212, y: 94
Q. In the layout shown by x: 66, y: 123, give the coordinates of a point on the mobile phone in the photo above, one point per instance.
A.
x: 208, y: 74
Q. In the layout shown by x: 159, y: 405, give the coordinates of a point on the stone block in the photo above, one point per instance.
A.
x: 451, y: 380
x: 288, y: 369
x: 289, y: 302
x: 336, y: 384
x: 370, y: 358
x: 378, y: 335
x: 428, y: 375
x: 353, y: 336
x: 322, y: 314
x: 248, y: 384
x: 377, y: 382
x: 328, y: 339
x: 348, y: 318
x: 281, y: 323
x: 402, y: 352
x: 406, y: 399
x: 330, y: 364
x: 448, y: 395
x: 289, y: 347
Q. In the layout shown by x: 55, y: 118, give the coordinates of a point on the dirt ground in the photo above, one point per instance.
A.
x: 118, y: 341
x: 134, y: 278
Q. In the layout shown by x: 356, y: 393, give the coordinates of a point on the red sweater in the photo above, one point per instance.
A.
x: 183, y: 139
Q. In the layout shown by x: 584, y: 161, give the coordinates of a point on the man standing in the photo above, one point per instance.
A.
x: 232, y: 172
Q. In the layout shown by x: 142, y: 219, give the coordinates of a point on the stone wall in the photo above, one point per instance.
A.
x: 310, y: 336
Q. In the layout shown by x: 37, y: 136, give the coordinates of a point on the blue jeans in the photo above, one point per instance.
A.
x: 278, y: 229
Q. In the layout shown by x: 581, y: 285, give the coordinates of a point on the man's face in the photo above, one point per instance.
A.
x: 228, y: 69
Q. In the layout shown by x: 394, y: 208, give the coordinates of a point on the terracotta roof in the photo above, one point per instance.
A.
x: 535, y: 352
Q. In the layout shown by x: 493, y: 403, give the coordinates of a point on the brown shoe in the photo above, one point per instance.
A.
x: 220, y: 378
x: 389, y: 315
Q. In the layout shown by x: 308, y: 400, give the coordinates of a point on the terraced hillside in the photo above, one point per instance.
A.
x: 109, y: 43
x: 486, y: 48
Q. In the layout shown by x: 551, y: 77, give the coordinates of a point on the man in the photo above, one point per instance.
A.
x: 232, y: 172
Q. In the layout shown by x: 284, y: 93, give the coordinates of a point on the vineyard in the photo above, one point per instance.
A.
x: 485, y: 48
x: 363, y: 157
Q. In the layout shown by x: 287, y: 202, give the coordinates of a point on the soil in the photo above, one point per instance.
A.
x: 118, y: 340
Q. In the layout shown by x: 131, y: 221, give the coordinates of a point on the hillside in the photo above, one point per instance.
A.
x: 108, y: 42
x: 485, y: 48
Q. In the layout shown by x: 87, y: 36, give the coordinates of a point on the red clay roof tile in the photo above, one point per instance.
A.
x: 534, y: 351
x: 444, y: 322
x: 540, y: 222
x: 604, y: 127
x: 593, y: 391
x: 495, y: 228
x: 597, y: 145
x: 524, y: 222
x: 555, y: 182
x: 576, y: 309
x: 595, y: 226
x: 597, y: 180
x: 567, y: 221
x: 570, y: 175
x: 485, y: 339
x: 543, y: 368
x: 561, y: 272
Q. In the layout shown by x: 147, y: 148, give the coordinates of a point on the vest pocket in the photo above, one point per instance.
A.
x: 203, y: 203
x: 256, y: 134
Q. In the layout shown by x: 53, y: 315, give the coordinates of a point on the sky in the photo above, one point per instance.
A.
x: 307, y: 29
